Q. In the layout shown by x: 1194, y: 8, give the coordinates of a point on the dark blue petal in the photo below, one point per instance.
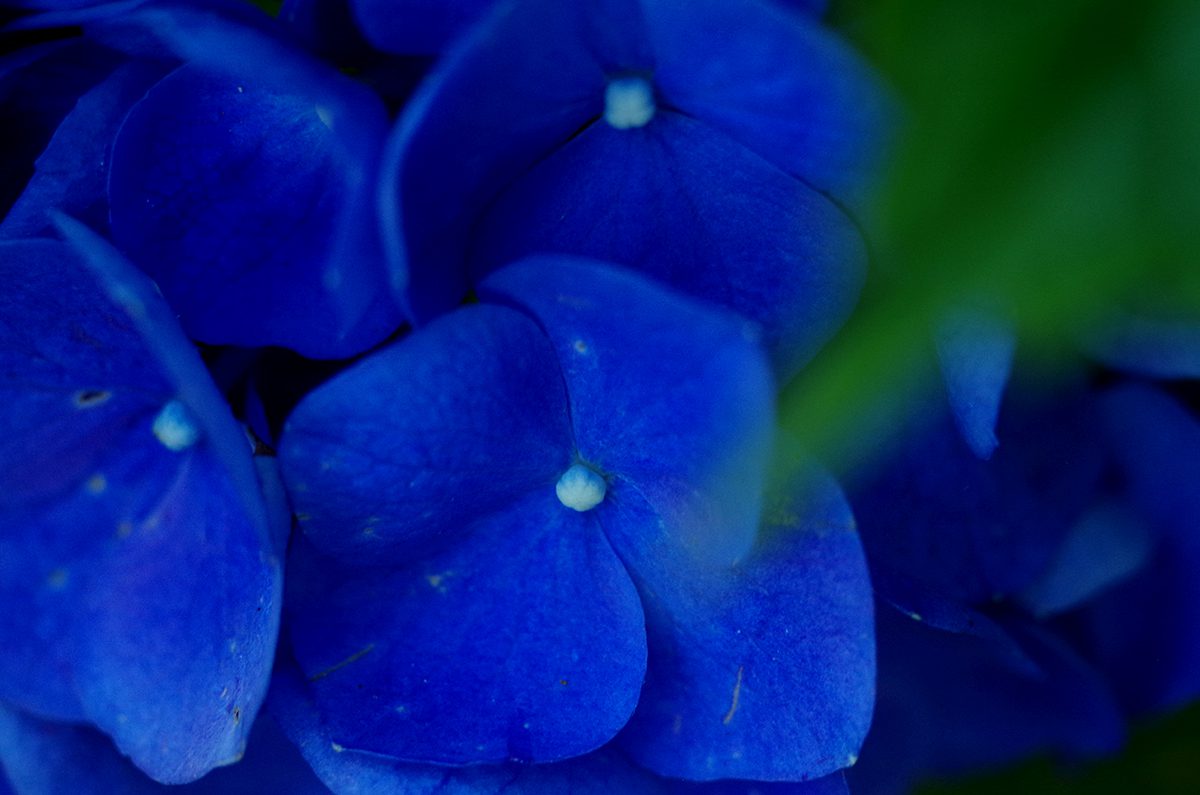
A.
x: 526, y: 71
x: 764, y: 670
x: 1148, y: 346
x: 45, y: 758
x: 976, y: 354
x: 523, y: 641
x: 407, y: 27
x: 948, y: 704
x: 243, y: 183
x: 72, y: 173
x: 420, y: 440
x: 1147, y: 631
x: 672, y: 399
x: 136, y: 548
x: 775, y: 81
x: 689, y: 206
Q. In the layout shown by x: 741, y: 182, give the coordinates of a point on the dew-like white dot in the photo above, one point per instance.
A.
x: 175, y: 427
x: 629, y: 103
x: 581, y: 488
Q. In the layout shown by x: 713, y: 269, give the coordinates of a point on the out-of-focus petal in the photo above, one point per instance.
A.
x: 416, y: 27
x: 1158, y: 348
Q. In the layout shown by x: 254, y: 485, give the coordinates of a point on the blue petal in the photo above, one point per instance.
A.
x: 72, y: 173
x: 1149, y: 346
x: 668, y: 396
x: 765, y: 670
x: 418, y: 441
x: 243, y: 185
x: 689, y: 206
x: 976, y: 354
x: 775, y: 81
x: 46, y: 758
x: 948, y: 704
x: 148, y: 586
x: 523, y: 641
x: 407, y: 27
x: 1106, y: 546
x: 1147, y: 631
x: 526, y: 70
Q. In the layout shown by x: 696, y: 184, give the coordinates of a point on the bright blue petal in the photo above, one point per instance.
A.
x: 976, y: 354
x: 72, y: 173
x: 687, y: 205
x: 1149, y: 346
x: 45, y: 758
x: 775, y: 81
x: 668, y: 396
x: 764, y: 670
x: 138, y: 553
x: 1147, y: 631
x: 407, y: 27
x: 524, y: 641
x: 418, y: 441
x: 242, y: 184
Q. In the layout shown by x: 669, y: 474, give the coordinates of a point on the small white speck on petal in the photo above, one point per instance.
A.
x: 581, y: 488
x: 175, y: 427
x: 629, y: 103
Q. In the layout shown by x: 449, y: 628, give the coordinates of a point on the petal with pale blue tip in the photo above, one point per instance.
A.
x: 777, y: 82
x: 670, y: 396
x: 115, y: 538
x: 1146, y: 631
x: 536, y: 70
x: 975, y: 351
x: 688, y: 206
x: 416, y: 442
x: 764, y: 670
x: 522, y: 641
x: 243, y: 189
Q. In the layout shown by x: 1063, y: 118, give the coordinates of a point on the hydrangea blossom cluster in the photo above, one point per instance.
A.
x: 389, y: 407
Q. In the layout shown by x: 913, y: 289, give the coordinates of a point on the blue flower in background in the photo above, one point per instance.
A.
x: 709, y: 145
x: 136, y: 555
x: 1045, y: 586
x: 519, y: 514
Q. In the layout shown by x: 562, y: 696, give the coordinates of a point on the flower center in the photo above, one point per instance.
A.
x: 629, y: 103
x: 175, y: 427
x: 581, y: 488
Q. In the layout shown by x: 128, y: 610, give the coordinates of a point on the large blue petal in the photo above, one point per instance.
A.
x: 765, y: 670
x: 672, y: 399
x: 523, y: 641
x: 417, y: 441
x: 689, y: 206
x: 45, y: 758
x: 72, y: 173
x: 138, y: 550
x: 242, y: 184
x: 776, y: 81
x: 1147, y: 632
x: 534, y: 70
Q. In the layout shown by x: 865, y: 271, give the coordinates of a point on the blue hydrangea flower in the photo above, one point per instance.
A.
x: 1032, y: 563
x: 707, y: 144
x: 519, y: 514
x: 136, y: 557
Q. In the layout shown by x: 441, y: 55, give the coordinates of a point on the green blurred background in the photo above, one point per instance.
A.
x: 1048, y: 166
